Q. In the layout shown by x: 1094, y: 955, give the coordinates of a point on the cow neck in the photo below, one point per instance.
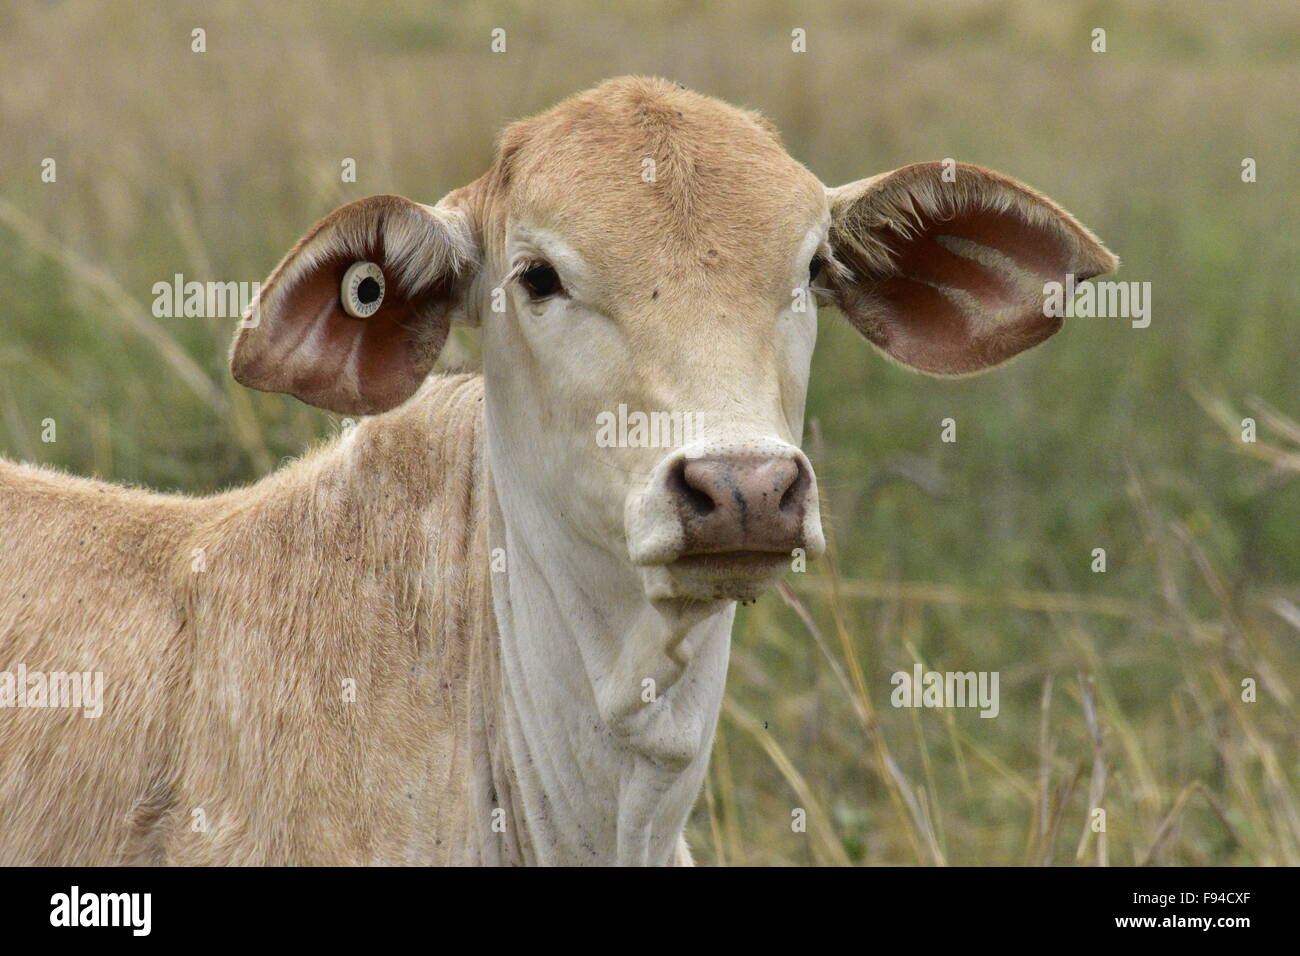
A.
x: 595, y: 710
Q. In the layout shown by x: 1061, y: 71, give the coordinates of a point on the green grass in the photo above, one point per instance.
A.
x: 966, y: 556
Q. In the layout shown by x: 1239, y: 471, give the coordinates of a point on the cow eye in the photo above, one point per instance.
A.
x: 540, y: 281
x: 815, y: 268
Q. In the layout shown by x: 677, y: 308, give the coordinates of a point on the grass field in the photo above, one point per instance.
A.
x: 1120, y: 690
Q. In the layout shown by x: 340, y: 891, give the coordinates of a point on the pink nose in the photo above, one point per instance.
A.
x: 741, y: 503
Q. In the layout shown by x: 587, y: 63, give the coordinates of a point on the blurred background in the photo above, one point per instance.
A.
x: 1120, y: 690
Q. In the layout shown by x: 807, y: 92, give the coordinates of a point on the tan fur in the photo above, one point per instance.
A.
x: 224, y: 687
x: 727, y: 206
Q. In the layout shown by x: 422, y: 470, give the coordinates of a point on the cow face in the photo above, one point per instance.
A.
x: 645, y: 264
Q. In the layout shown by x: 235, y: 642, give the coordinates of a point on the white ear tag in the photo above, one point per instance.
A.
x: 362, y: 290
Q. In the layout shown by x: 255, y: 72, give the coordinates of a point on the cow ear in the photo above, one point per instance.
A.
x: 946, y: 273
x: 354, y: 316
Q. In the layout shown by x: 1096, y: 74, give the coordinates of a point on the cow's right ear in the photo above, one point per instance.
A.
x: 353, y: 318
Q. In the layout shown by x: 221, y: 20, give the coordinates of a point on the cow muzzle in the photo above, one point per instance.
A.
x: 720, y: 521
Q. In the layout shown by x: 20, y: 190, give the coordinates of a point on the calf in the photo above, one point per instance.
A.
x: 490, y: 624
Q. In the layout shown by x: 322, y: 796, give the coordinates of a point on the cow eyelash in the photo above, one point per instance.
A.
x: 538, y: 279
x: 824, y: 271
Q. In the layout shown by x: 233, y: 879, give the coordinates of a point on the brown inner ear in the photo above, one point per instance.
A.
x: 315, y: 351
x: 320, y: 341
x: 992, y: 309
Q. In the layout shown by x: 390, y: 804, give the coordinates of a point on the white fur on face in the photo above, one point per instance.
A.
x: 554, y: 366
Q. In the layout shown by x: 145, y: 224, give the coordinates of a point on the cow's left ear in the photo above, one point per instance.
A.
x: 945, y: 264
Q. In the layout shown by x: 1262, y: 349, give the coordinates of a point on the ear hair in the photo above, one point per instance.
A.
x: 420, y: 250
x: 905, y: 200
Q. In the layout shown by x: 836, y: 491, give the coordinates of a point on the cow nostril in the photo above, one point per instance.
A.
x: 792, y: 498
x: 700, y: 502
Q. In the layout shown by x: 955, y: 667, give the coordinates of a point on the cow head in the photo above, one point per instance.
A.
x: 645, y: 263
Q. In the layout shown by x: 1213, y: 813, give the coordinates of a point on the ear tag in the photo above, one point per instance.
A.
x: 362, y: 290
